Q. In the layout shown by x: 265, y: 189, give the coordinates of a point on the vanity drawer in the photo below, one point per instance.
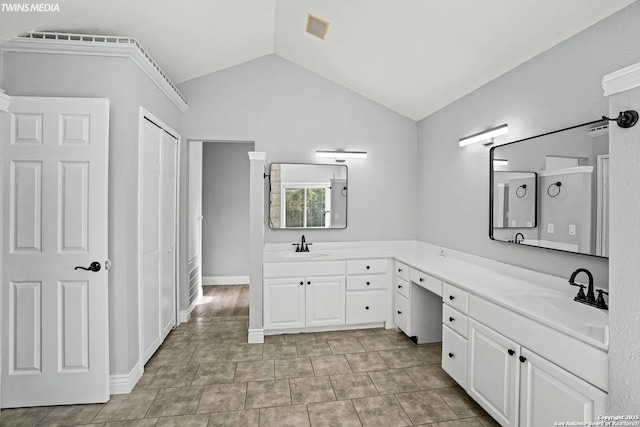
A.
x: 355, y: 283
x: 455, y: 320
x: 401, y: 286
x: 454, y: 356
x: 455, y: 297
x: 402, y: 271
x: 367, y: 266
x: 428, y: 282
x: 304, y: 269
x: 402, y: 314
x: 366, y: 307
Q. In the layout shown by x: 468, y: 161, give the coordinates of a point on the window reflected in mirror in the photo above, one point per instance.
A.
x: 307, y: 196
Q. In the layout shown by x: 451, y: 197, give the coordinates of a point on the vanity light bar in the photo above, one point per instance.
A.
x: 342, y: 154
x: 484, y: 135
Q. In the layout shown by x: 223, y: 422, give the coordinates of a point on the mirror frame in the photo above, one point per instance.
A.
x: 346, y: 222
x: 491, y: 158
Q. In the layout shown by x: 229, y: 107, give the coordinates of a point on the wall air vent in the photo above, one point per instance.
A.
x: 316, y: 26
x: 599, y: 130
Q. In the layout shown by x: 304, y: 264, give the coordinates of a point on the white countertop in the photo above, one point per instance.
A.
x: 543, y: 298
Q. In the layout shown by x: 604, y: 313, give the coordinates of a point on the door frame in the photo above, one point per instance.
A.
x: 146, y: 114
x: 599, y: 205
x: 5, y: 102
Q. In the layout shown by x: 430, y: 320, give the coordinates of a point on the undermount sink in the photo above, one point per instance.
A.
x: 561, y: 309
x: 306, y: 255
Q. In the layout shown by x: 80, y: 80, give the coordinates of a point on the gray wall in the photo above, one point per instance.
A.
x: 558, y: 88
x: 290, y: 112
x: 127, y: 88
x: 225, y: 208
x: 624, y: 300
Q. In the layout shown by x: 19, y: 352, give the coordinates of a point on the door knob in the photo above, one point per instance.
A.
x: 95, y: 266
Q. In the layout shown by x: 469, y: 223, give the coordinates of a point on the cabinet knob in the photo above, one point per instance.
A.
x: 366, y: 308
x: 451, y: 319
x: 309, y: 282
x: 522, y: 359
x: 450, y: 354
x: 399, y: 270
x: 301, y: 283
x: 368, y: 267
x: 451, y: 297
x: 368, y: 283
x: 422, y: 279
x: 399, y: 312
x: 511, y: 352
x: 399, y: 286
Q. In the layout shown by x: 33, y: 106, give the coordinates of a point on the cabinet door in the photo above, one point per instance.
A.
x: 493, y: 373
x: 325, y: 301
x: 284, y: 303
x: 548, y: 393
x: 454, y: 355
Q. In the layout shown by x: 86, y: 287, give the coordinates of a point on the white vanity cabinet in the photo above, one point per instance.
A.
x: 516, y: 385
x: 304, y: 302
x: 548, y: 393
x: 402, y: 288
x: 417, y: 304
x: 305, y: 294
x: 367, y: 291
x: 454, y: 333
x: 493, y: 373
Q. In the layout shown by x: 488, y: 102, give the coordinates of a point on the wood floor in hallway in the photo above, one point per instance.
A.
x: 223, y: 301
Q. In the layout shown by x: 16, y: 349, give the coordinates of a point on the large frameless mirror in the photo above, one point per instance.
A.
x: 307, y: 196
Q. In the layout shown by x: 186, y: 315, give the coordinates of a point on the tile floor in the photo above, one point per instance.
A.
x: 205, y: 374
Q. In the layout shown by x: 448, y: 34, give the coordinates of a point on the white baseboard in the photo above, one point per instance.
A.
x: 256, y: 336
x: 185, y: 315
x: 123, y: 384
x: 224, y: 280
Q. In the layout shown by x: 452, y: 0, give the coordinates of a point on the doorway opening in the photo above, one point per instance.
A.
x: 225, y: 229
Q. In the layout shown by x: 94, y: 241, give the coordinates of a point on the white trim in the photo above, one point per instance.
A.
x: 124, y: 384
x: 257, y: 155
x: 225, y: 280
x: 567, y: 171
x: 100, y: 46
x: 5, y: 100
x: 621, y: 80
x: 185, y: 315
x: 256, y: 336
x: 600, y: 212
x: 328, y: 328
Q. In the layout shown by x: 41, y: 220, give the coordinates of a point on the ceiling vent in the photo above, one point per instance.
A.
x: 316, y: 26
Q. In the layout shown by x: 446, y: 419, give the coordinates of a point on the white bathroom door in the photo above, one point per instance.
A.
x: 158, y: 235
x: 55, y: 340
x: 168, y: 233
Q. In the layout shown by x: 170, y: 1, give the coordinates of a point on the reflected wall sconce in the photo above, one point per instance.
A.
x: 340, y: 155
x: 500, y: 162
x: 485, y: 135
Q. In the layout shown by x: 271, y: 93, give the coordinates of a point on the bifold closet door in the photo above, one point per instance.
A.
x: 157, y: 245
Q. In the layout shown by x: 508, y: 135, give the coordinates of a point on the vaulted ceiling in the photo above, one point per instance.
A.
x: 413, y: 56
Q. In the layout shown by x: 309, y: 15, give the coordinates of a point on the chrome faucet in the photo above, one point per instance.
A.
x: 516, y: 238
x: 589, y: 298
